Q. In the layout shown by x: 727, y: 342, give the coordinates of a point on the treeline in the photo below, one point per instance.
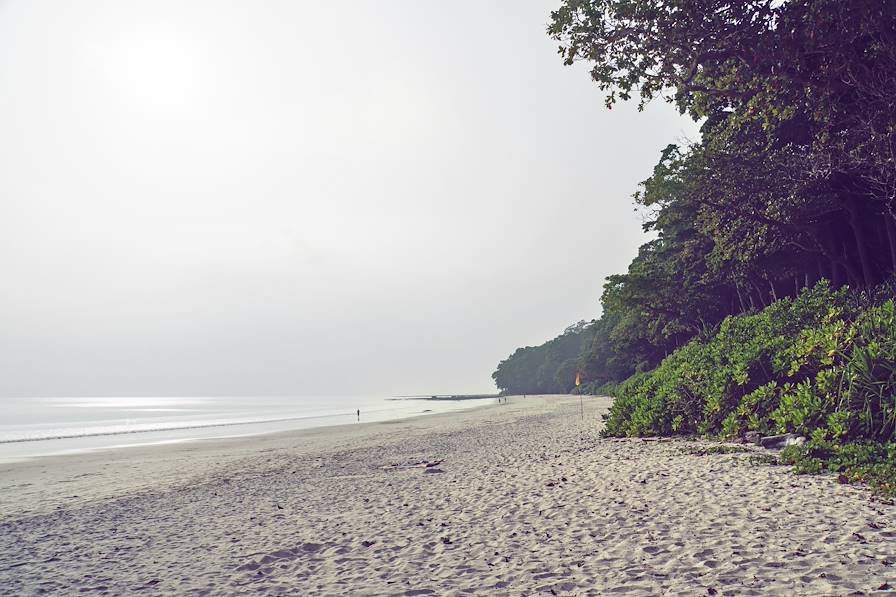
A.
x: 546, y: 369
x: 823, y: 363
x: 791, y: 182
x: 761, y: 302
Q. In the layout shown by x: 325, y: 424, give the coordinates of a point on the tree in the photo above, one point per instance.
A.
x: 792, y: 181
x: 545, y: 369
x: 800, y: 97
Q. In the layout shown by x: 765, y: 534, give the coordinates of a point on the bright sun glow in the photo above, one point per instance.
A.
x: 158, y: 69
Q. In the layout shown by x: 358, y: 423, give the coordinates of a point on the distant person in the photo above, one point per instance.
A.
x: 359, y: 415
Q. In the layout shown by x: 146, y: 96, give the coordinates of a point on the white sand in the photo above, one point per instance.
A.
x: 529, y: 502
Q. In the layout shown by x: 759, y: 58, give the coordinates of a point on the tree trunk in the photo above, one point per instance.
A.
x: 891, y: 237
x: 855, y: 222
x: 740, y: 298
x: 853, y: 276
x: 836, y: 279
x: 759, y: 296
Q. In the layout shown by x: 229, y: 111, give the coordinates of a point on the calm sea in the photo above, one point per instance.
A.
x: 33, y: 427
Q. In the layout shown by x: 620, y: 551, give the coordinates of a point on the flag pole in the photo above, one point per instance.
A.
x: 581, y: 400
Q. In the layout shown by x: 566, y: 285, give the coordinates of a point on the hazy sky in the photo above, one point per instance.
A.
x: 300, y: 197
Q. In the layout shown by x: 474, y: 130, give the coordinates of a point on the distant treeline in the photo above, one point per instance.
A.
x: 546, y: 369
x: 761, y: 302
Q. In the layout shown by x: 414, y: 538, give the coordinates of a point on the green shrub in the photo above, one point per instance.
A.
x: 822, y: 365
x: 870, y: 372
x: 862, y: 462
x: 728, y: 382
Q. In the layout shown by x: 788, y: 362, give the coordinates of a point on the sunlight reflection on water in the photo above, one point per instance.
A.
x: 43, y: 426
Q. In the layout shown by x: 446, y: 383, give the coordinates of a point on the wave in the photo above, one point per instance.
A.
x: 89, y: 433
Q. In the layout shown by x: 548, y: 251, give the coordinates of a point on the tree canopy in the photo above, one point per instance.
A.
x: 792, y: 181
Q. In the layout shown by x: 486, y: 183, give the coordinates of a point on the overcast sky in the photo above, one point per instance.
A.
x: 205, y: 198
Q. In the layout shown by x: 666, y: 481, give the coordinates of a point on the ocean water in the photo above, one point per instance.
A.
x: 34, y: 427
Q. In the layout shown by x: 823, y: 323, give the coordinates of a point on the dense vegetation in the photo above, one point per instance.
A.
x: 819, y: 364
x: 546, y: 369
x: 760, y: 302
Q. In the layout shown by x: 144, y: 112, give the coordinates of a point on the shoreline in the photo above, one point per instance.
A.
x: 510, y: 499
x: 82, y: 470
x: 96, y: 437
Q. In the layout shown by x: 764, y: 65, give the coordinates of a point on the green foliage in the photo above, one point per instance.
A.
x: 549, y: 368
x: 812, y: 363
x: 730, y: 381
x: 822, y: 365
x: 597, y: 389
x: 600, y: 364
x: 790, y: 183
x: 850, y: 386
x: 861, y: 462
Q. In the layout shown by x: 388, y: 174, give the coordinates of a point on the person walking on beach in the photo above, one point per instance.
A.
x: 359, y: 415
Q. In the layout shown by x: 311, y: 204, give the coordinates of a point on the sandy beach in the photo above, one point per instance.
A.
x: 521, y: 498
